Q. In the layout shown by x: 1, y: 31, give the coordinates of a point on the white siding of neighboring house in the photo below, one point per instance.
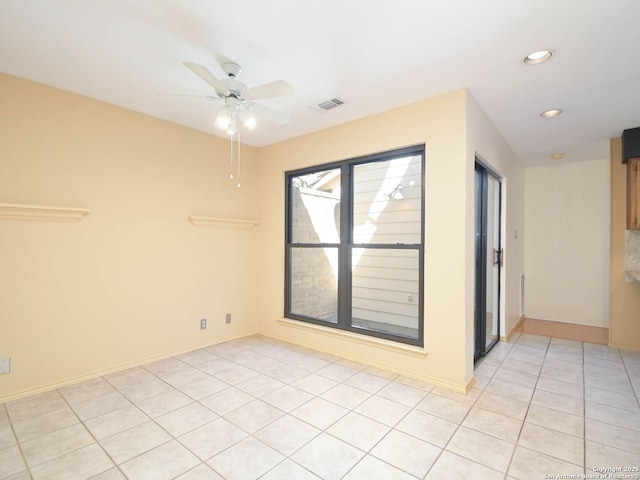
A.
x: 385, y: 284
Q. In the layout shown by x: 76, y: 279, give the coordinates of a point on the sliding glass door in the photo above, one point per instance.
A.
x: 489, y: 260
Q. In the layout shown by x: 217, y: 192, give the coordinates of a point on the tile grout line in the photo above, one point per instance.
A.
x: 526, y: 413
x: 153, y: 420
x: 352, y: 410
x: 624, y: 364
x: 584, y: 412
x: 324, y: 431
x: 219, y: 416
x: 314, y: 397
x: 444, y: 448
x: 15, y: 437
x: 619, y: 351
x: 391, y: 428
x: 286, y: 457
x: 561, y: 411
x: 195, y: 401
x: 91, y: 434
x: 288, y: 362
x: 80, y: 422
x: 252, y: 435
x: 249, y: 434
x: 19, y: 444
x: 149, y: 419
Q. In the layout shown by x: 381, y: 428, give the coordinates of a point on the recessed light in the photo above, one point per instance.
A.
x: 557, y: 156
x: 538, y: 57
x: 551, y: 113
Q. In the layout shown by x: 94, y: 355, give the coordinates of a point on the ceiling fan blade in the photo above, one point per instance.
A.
x: 266, y: 113
x: 279, y: 88
x: 208, y: 97
x: 208, y: 77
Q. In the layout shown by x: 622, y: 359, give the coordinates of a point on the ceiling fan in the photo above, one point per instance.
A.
x: 239, y: 100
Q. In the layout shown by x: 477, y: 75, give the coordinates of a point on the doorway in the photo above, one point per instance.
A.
x: 489, y: 260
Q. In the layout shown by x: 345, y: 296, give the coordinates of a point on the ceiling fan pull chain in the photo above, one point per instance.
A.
x: 238, y: 140
x: 231, y: 158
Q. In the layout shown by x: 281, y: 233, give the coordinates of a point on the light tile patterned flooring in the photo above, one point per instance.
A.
x: 255, y: 408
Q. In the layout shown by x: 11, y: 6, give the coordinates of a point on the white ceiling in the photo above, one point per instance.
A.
x: 373, y: 54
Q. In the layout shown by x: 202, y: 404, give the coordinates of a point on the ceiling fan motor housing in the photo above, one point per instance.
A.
x: 238, y: 99
x: 231, y: 69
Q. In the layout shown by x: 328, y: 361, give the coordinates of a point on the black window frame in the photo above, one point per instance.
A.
x: 346, y: 245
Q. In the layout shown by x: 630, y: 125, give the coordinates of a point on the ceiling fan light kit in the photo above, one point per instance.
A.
x: 249, y: 122
x: 223, y: 119
x: 240, y: 102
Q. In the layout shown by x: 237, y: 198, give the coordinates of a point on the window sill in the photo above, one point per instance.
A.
x: 411, y: 350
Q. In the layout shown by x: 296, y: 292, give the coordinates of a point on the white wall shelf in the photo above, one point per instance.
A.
x: 40, y: 213
x: 222, y: 223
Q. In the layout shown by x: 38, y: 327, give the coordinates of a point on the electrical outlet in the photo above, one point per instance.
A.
x: 228, y: 318
x: 203, y: 324
x: 5, y: 365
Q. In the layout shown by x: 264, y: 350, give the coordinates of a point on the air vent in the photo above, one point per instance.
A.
x: 328, y: 104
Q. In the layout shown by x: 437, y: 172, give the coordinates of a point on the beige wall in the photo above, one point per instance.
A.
x: 567, y: 241
x: 484, y: 141
x: 131, y: 280
x: 440, y: 123
x: 624, y: 329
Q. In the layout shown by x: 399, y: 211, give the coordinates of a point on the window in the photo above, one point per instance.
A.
x: 354, y: 245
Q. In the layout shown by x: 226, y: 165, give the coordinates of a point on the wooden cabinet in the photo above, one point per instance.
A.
x: 633, y: 194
